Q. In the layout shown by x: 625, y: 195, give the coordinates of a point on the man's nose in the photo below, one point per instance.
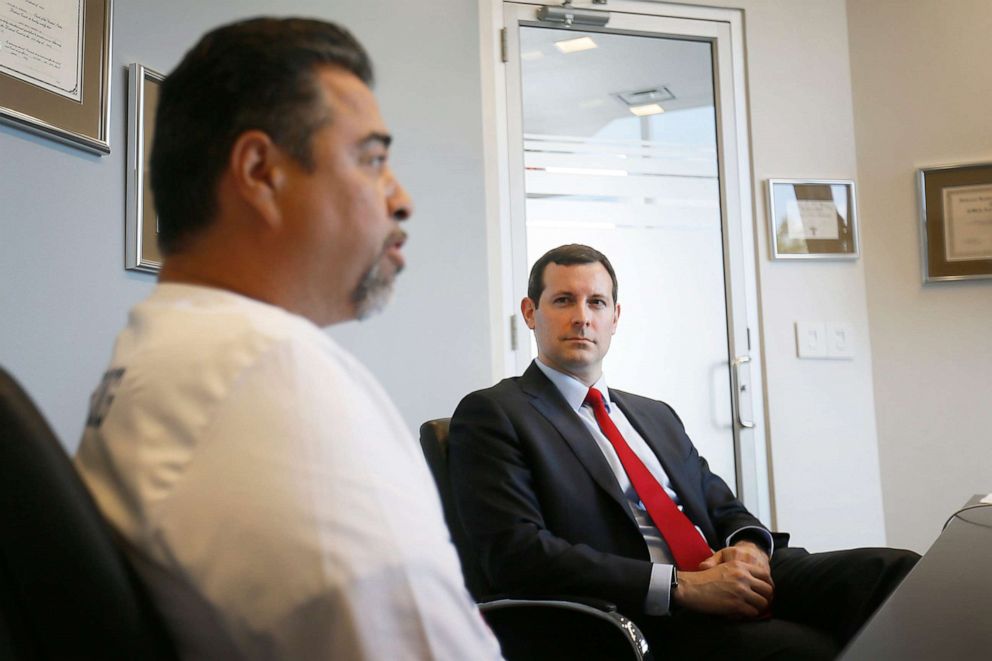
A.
x: 581, y: 316
x: 399, y: 203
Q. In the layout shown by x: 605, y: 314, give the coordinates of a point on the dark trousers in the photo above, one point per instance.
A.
x: 821, y: 600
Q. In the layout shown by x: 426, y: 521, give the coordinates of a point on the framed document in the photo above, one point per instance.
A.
x: 813, y: 219
x: 956, y: 221
x: 55, y: 69
x: 141, y: 227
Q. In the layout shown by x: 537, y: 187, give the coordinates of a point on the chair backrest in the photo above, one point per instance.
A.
x: 527, y: 629
x: 434, y: 443
x: 66, y: 589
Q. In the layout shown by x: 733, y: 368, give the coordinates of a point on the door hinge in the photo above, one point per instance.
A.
x: 502, y: 46
x: 513, y: 332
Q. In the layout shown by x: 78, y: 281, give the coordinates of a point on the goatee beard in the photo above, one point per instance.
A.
x: 373, y: 292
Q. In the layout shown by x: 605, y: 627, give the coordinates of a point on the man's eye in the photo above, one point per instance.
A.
x: 377, y: 161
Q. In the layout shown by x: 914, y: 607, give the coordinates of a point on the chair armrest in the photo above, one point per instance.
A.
x: 563, y: 628
x: 566, y: 599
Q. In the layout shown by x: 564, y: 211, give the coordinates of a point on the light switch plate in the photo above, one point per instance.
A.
x: 840, y: 340
x: 811, y: 339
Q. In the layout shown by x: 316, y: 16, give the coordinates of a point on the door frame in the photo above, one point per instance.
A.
x: 504, y: 202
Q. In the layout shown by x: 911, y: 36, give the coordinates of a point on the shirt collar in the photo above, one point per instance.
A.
x: 573, y: 390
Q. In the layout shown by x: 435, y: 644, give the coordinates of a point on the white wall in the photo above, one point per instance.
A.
x: 63, y: 290
x: 921, y: 95
x: 820, y: 414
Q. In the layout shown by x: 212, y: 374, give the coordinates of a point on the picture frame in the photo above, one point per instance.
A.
x: 55, y: 70
x: 813, y: 219
x: 955, y: 204
x: 141, y: 222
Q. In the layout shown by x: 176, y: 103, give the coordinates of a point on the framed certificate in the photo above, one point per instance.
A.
x: 141, y: 227
x: 55, y: 69
x: 813, y: 219
x: 956, y: 221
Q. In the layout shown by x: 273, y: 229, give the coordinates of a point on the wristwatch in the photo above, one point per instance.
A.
x: 675, y: 579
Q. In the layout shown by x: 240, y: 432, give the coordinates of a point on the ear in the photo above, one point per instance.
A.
x: 616, y: 318
x: 257, y: 169
x: 527, y: 309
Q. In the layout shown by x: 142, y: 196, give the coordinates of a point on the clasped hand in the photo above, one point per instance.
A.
x: 735, y: 581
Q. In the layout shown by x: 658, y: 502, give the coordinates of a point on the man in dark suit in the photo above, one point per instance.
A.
x: 565, y: 486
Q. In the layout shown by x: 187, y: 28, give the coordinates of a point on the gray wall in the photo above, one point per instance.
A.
x: 64, y: 293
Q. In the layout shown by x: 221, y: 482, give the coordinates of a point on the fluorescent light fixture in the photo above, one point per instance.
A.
x: 598, y: 172
x: 639, y: 97
x: 575, y: 45
x: 647, y: 109
x: 531, y: 55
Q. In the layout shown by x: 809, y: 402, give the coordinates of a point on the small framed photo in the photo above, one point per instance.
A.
x: 813, y: 219
x: 141, y: 229
x: 956, y: 221
x: 55, y: 70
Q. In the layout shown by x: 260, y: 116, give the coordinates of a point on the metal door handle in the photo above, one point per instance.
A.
x: 738, y: 389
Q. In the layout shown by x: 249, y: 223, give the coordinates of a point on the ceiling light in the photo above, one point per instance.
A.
x: 575, y: 45
x: 640, y: 97
x: 647, y: 109
x: 532, y: 55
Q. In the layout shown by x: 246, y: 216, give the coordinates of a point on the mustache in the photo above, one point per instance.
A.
x: 396, y: 238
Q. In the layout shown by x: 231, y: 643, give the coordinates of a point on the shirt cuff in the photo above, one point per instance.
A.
x: 755, y: 534
x: 659, y: 590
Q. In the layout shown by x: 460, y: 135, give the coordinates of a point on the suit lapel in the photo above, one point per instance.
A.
x: 550, y: 403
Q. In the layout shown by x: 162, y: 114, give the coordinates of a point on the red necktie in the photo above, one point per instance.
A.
x: 686, y: 544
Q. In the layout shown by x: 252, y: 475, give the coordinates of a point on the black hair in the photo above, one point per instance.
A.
x: 255, y: 74
x: 567, y: 255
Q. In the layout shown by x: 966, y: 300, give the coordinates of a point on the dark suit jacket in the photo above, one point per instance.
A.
x: 541, y: 506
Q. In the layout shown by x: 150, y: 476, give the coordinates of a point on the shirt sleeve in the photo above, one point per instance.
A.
x: 659, y: 597
x: 759, y: 536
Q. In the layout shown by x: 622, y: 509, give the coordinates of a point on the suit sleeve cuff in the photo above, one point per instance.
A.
x: 659, y: 590
x: 755, y: 534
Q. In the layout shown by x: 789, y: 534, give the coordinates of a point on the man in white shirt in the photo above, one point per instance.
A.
x: 566, y: 486
x: 263, y: 483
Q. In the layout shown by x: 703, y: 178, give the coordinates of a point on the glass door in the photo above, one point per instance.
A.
x: 621, y: 146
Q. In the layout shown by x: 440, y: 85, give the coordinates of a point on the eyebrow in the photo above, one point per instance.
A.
x: 569, y: 292
x: 375, y: 137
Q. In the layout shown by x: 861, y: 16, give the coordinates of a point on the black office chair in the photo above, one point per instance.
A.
x: 66, y: 589
x: 532, y: 629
